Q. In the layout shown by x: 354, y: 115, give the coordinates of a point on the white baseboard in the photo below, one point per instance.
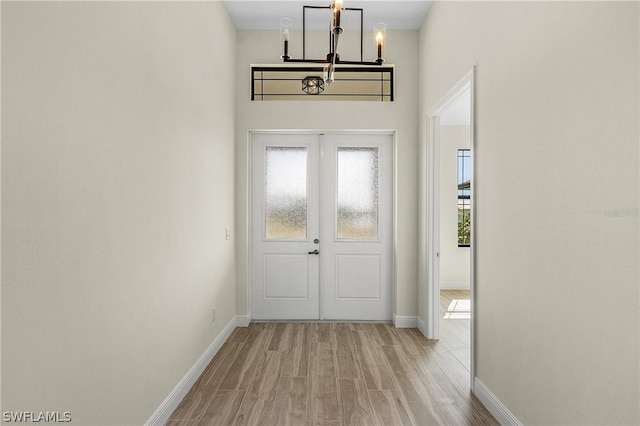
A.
x: 422, y: 326
x: 404, y: 322
x: 178, y: 393
x: 494, y: 405
x: 243, y: 320
x: 455, y: 286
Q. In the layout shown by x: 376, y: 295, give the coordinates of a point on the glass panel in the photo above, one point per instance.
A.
x: 464, y: 197
x: 373, y: 84
x: 285, y: 200
x: 357, y: 216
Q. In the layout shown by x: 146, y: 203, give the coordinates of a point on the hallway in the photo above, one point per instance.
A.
x: 331, y: 373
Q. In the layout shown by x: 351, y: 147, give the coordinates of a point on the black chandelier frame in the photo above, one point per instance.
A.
x: 330, y: 57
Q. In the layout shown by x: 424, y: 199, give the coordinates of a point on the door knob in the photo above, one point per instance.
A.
x: 316, y: 252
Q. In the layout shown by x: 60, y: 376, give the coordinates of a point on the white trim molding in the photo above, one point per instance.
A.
x: 243, y: 320
x: 422, y: 326
x: 494, y: 405
x: 404, y: 322
x: 171, y: 402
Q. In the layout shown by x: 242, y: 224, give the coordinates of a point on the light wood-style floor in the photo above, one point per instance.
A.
x: 455, y: 324
x: 331, y: 374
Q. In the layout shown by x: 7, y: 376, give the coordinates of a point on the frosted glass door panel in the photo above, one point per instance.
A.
x: 285, y: 195
x: 357, y: 198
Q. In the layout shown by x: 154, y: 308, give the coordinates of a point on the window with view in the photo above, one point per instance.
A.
x: 464, y: 198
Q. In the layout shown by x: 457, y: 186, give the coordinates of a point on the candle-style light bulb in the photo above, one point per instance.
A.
x: 380, y: 38
x: 337, y: 8
x: 285, y: 35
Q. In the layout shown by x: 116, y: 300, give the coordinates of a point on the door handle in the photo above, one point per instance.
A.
x: 316, y: 252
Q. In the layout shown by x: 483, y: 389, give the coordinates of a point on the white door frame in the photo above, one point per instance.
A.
x: 393, y: 133
x: 432, y: 208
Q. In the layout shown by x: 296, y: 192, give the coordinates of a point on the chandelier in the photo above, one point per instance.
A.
x: 315, y: 85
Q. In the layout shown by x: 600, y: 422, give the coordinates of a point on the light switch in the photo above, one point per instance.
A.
x: 227, y: 233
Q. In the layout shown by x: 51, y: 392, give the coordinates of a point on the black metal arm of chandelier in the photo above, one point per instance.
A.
x: 333, y: 58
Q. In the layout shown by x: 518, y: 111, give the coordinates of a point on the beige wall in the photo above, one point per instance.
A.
x: 557, y: 109
x: 262, y: 47
x: 117, y: 186
x: 455, y: 262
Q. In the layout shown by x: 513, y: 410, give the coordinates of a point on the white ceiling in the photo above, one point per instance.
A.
x: 266, y: 14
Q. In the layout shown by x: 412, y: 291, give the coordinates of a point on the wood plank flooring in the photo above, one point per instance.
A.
x: 340, y: 374
x: 455, y: 324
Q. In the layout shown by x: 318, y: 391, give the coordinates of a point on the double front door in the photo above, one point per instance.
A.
x: 321, y: 226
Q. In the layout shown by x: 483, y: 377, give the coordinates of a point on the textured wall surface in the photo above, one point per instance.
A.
x: 117, y: 186
x: 557, y: 108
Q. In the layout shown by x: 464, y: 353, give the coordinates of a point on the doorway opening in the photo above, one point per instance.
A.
x: 455, y: 229
x: 321, y: 226
x: 450, y: 222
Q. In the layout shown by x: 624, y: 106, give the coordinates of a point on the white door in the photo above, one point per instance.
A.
x: 321, y: 226
x: 284, y: 223
x: 356, y: 194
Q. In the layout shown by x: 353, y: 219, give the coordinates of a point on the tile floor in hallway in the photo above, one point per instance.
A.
x: 332, y: 374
